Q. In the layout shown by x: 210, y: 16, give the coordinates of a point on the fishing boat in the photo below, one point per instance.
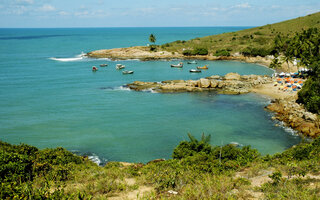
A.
x: 94, y: 68
x: 195, y: 71
x: 120, y: 66
x: 192, y: 62
x: 204, y: 67
x: 103, y: 65
x: 127, y: 72
x: 180, y: 65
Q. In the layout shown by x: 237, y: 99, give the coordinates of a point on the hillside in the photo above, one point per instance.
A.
x: 197, y: 171
x: 258, y: 37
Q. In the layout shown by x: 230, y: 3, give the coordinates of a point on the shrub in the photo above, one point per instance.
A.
x: 196, y: 51
x: 222, y: 52
x: 260, y: 40
x: 200, y: 51
x: 194, y: 146
x: 258, y: 33
x: 187, y: 52
x: 249, y: 51
x: 153, y: 47
x: 309, y: 95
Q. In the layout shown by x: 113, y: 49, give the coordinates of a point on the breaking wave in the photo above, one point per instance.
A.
x: 76, y: 58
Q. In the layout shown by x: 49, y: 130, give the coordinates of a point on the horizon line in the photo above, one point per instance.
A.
x: 122, y: 27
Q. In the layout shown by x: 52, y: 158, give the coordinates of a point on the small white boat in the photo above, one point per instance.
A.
x: 120, y: 66
x: 195, y: 71
x: 127, y: 72
x: 282, y: 74
x: 192, y: 62
x: 103, y: 65
x: 94, y: 68
x: 180, y: 65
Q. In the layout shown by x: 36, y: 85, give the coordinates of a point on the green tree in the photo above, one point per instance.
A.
x: 304, y: 46
x: 152, y: 39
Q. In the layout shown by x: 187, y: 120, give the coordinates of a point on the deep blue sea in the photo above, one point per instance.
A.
x: 49, y: 97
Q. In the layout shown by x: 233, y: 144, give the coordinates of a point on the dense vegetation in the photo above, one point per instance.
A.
x: 254, y: 41
x: 305, y: 47
x: 197, y: 171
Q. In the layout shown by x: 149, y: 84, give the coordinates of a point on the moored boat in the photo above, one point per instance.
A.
x: 204, y: 67
x: 180, y: 65
x: 127, y: 72
x: 195, y: 71
x: 103, y: 65
x: 192, y: 62
x: 120, y: 66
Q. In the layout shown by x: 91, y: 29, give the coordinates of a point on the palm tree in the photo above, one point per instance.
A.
x: 152, y: 38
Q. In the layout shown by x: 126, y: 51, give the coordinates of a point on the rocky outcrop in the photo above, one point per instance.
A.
x: 286, y: 109
x: 295, y: 116
x: 231, y: 83
x: 137, y: 52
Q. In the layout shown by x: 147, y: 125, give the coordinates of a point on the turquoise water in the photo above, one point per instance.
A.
x: 49, y: 97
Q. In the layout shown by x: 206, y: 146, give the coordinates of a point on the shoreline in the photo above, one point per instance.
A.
x: 283, y: 102
x: 144, y: 54
x: 296, y: 117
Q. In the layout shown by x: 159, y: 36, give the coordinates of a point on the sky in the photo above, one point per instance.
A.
x: 150, y: 13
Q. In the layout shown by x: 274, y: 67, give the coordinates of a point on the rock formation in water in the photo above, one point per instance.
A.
x: 231, y: 83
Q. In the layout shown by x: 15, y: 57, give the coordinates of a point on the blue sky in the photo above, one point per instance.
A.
x: 150, y: 13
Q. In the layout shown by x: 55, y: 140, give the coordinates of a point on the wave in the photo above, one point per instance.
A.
x: 76, y: 58
x: 94, y: 158
x: 122, y: 88
x: 149, y: 90
x: 287, y: 129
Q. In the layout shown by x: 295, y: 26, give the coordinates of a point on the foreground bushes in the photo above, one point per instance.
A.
x: 198, y: 171
x: 20, y: 164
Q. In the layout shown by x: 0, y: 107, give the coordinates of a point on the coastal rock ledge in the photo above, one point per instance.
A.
x: 295, y: 116
x: 231, y: 83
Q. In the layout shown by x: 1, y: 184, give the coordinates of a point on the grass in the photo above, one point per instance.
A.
x: 198, y: 173
x: 258, y: 37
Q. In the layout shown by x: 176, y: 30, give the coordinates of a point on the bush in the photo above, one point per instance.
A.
x: 200, y: 51
x: 187, y: 52
x: 222, y: 52
x: 153, y: 47
x: 197, y: 51
x: 258, y: 33
x: 309, y: 95
x: 249, y: 51
x: 21, y: 164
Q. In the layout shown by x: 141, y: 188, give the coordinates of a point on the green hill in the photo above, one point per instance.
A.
x: 258, y: 37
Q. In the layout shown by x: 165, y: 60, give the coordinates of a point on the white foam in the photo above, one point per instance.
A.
x: 108, y: 59
x: 149, y: 90
x: 288, y: 129
x: 76, y: 58
x: 236, y: 144
x: 95, y: 159
x: 122, y: 88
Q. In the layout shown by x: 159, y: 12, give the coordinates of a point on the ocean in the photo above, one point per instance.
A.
x: 50, y: 97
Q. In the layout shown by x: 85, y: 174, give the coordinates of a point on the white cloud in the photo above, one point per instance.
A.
x: 47, y: 7
x: 243, y: 5
x: 82, y: 14
x: 20, y: 10
x: 63, y: 13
